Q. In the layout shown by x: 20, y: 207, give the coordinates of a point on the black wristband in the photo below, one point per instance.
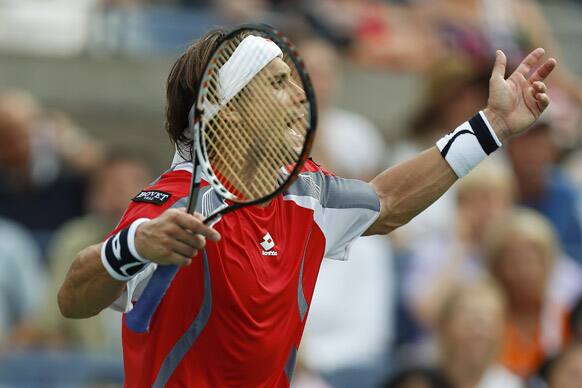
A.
x: 119, y: 256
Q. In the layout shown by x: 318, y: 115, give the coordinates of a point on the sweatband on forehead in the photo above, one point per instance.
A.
x: 250, y: 57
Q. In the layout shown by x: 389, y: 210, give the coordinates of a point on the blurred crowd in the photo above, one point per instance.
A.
x: 484, y: 289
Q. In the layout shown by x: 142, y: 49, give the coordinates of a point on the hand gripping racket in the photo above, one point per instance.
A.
x: 253, y: 121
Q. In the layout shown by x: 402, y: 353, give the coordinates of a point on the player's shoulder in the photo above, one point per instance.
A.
x: 175, y: 182
x: 169, y: 190
x: 311, y: 181
x: 310, y: 166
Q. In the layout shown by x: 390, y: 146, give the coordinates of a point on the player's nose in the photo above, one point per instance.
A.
x: 297, y: 94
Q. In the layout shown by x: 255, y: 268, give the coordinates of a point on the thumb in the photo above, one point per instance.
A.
x: 499, y: 67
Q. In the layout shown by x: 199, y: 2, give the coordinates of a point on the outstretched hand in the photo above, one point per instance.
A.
x: 517, y: 102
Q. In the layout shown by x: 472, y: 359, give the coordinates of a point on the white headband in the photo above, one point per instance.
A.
x: 247, y: 60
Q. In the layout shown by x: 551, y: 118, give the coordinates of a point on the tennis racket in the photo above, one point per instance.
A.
x: 253, y: 121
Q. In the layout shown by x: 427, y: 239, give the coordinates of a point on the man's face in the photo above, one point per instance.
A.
x: 277, y: 96
x: 267, y: 123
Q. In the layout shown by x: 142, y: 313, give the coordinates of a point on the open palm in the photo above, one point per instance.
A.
x: 519, y: 100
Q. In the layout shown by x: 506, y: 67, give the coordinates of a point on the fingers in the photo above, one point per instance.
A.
x: 194, y: 223
x: 542, y: 101
x: 526, y: 66
x: 195, y: 241
x: 183, y: 249
x: 544, y: 70
x: 178, y: 259
x: 499, y: 67
x: 539, y: 87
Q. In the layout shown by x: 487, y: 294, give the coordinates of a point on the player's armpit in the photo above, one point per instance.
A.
x: 408, y: 188
x: 88, y: 288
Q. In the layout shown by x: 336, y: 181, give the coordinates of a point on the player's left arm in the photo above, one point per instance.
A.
x: 514, y: 104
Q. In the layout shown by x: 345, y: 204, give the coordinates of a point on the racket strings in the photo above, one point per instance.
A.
x: 252, y: 189
x: 226, y: 162
x: 279, y: 147
x: 256, y: 136
x: 252, y: 113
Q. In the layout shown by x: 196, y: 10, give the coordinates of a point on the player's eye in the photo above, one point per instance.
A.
x: 278, y: 82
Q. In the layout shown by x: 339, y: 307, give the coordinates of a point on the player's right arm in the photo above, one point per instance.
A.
x: 175, y: 237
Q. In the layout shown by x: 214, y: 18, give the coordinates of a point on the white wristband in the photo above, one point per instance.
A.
x: 469, y: 144
x: 119, y: 255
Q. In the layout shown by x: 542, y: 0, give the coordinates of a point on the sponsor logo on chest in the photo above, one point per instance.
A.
x: 268, y: 244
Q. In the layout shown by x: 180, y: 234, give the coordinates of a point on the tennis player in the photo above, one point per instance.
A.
x: 234, y: 312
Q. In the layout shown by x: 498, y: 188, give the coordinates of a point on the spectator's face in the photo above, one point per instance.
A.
x: 482, y: 206
x: 115, y: 185
x: 522, y: 269
x: 472, y: 331
x: 531, y: 154
x: 14, y: 140
x: 568, y: 372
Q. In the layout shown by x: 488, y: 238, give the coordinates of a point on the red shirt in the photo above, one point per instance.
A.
x: 235, y: 316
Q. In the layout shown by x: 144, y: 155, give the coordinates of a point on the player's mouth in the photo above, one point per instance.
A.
x: 295, y: 121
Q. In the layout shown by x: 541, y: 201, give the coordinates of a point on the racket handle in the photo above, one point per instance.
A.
x: 212, y: 219
x: 195, y: 187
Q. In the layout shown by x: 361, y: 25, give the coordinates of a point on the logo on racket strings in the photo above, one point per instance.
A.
x: 268, y: 244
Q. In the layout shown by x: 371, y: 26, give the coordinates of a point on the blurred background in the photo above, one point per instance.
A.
x: 482, y: 290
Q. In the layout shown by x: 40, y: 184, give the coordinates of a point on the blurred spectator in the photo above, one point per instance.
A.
x: 451, y: 80
x: 305, y: 378
x: 418, y: 378
x: 477, y: 28
x: 375, y: 34
x: 347, y: 342
x: 576, y: 322
x: 566, y: 370
x: 36, y: 188
x: 22, y: 280
x: 350, y: 323
x: 347, y: 143
x: 522, y: 251
x: 118, y: 180
x: 543, y: 187
x: 78, y: 150
x: 470, y: 331
x: 242, y: 10
x: 440, y: 263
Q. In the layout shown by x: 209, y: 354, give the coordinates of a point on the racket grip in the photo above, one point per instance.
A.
x: 212, y: 219
x: 192, y: 201
x: 195, y: 186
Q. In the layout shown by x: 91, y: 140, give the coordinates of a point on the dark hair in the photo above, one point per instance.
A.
x: 182, y: 87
